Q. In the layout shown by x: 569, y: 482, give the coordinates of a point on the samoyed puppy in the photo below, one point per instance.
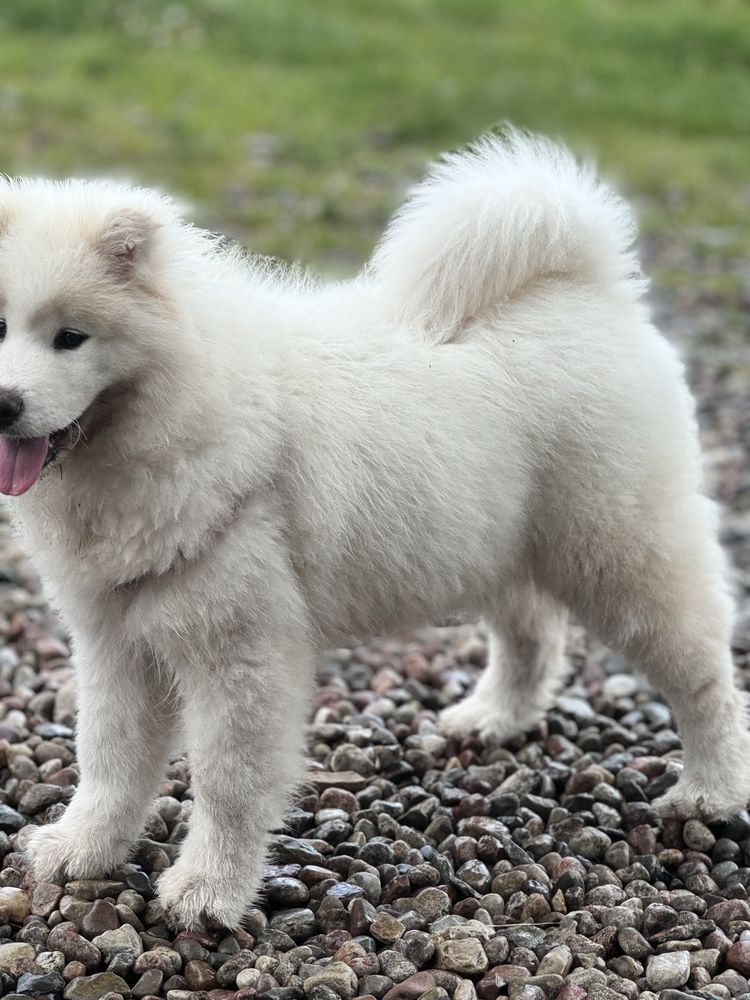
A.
x: 219, y: 469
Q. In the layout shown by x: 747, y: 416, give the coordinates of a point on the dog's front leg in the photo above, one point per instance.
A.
x: 126, y: 720
x: 244, y: 721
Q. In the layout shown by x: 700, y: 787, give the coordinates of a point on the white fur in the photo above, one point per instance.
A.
x: 485, y: 422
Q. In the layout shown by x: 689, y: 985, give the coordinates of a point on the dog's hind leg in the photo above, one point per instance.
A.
x: 526, y: 663
x: 654, y: 589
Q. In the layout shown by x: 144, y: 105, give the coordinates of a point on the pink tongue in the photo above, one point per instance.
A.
x: 21, y: 462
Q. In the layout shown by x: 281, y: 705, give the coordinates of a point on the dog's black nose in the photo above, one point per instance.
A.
x: 11, y: 406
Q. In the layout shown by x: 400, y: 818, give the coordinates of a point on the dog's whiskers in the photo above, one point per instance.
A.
x: 80, y: 436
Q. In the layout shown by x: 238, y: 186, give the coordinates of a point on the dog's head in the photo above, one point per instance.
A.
x: 78, y: 264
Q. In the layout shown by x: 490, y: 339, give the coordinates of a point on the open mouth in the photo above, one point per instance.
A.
x: 22, y: 460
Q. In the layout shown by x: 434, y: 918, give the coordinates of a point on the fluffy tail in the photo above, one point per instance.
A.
x: 489, y: 222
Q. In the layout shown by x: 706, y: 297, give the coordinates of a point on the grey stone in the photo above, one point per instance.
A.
x: 97, y: 986
x: 395, y: 966
x: 337, y: 977
x: 115, y: 942
x: 669, y: 970
x: 697, y: 835
x: 464, y: 956
x: 298, y: 923
x: 40, y: 797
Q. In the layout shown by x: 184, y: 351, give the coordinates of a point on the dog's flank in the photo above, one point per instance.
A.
x: 485, y: 420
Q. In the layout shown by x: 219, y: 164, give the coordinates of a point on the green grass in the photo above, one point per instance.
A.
x: 295, y: 125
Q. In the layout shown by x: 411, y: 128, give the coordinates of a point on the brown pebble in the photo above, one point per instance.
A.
x: 73, y: 970
x: 730, y: 909
x: 642, y: 839
x: 65, y: 938
x: 100, y: 918
x: 738, y: 957
x: 339, y: 798
x: 44, y: 898
x: 350, y: 781
x: 14, y: 904
x: 493, y: 983
x: 412, y: 987
x: 93, y: 888
x: 199, y: 975
x: 65, y: 777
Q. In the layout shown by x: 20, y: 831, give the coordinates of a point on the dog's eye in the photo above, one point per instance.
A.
x: 3, y: 328
x: 68, y: 340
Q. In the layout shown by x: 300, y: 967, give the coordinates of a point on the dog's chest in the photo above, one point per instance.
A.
x: 103, y: 549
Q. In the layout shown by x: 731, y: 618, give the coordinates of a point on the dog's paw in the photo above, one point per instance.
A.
x: 47, y: 851
x: 475, y: 715
x: 712, y: 801
x: 65, y: 850
x: 192, y: 899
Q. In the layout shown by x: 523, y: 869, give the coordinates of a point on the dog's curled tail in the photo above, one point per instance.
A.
x: 492, y: 220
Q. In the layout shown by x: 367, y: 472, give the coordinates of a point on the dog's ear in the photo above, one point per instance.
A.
x: 126, y: 239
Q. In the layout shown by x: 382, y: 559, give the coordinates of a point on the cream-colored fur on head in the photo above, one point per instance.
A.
x: 485, y: 422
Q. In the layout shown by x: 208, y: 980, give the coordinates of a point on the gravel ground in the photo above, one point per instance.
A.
x: 414, y: 866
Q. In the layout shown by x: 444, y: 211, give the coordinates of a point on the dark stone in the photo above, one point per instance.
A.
x: 31, y: 984
x: 10, y: 820
x: 141, y: 883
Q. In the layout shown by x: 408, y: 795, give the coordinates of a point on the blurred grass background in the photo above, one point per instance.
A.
x: 296, y: 125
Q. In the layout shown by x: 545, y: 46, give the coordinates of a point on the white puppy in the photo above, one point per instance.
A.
x: 221, y: 470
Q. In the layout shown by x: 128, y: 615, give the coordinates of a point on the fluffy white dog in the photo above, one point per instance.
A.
x: 222, y: 469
